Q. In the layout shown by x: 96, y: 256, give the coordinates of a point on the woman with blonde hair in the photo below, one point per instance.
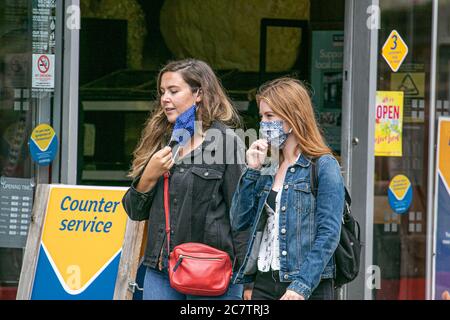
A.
x: 294, y: 233
x: 191, y: 99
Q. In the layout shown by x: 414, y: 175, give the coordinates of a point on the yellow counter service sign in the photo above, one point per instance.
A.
x: 81, y: 243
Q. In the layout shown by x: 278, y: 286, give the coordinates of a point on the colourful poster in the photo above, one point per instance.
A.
x: 81, y: 244
x: 442, y: 211
x: 389, y: 123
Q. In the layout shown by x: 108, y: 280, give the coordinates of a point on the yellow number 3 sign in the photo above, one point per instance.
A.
x: 394, y: 51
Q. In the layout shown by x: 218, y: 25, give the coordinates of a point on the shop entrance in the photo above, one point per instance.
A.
x: 123, y: 44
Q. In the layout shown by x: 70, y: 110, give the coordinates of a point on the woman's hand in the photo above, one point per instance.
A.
x: 257, y: 153
x: 248, y: 294
x: 159, y: 163
x: 292, y: 295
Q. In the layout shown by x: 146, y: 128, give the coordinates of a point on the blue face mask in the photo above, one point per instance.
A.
x: 273, y: 132
x: 183, y: 129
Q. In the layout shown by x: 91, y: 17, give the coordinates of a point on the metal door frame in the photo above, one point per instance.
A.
x: 358, y: 112
x: 69, y: 115
x: 432, y: 161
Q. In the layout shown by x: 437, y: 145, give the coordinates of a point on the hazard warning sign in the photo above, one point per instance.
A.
x: 411, y: 83
x: 43, y: 75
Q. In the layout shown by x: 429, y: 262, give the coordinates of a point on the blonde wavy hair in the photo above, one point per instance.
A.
x: 289, y: 99
x: 215, y: 106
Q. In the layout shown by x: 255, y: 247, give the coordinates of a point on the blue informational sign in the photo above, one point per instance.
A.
x: 400, y: 194
x: 43, y: 144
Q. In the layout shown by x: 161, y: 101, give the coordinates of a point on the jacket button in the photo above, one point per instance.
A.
x: 283, y: 208
x: 284, y: 253
x: 286, y: 187
x: 283, y: 231
x: 292, y: 170
x: 175, y: 200
x: 206, y: 174
x: 181, y: 170
x: 286, y: 277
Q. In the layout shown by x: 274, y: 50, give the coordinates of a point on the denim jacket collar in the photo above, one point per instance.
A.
x: 303, y: 161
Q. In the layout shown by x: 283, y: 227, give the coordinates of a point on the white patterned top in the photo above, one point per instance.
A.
x: 269, y: 251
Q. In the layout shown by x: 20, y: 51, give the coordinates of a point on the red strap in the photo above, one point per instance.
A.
x: 166, y: 208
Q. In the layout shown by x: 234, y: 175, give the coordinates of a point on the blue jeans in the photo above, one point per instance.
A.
x: 157, y: 287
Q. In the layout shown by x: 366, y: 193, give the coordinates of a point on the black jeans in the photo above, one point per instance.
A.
x: 268, y: 287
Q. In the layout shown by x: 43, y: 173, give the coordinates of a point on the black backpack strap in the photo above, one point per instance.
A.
x: 347, y: 196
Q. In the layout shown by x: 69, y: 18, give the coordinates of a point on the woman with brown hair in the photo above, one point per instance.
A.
x: 202, y: 181
x: 294, y: 234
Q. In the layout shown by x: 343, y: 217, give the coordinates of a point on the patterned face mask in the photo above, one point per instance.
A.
x: 183, y: 129
x: 273, y: 132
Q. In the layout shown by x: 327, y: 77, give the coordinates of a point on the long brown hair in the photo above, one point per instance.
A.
x: 289, y: 99
x: 215, y: 106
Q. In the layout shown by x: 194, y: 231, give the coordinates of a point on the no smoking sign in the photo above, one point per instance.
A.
x: 43, y: 63
x: 43, y: 76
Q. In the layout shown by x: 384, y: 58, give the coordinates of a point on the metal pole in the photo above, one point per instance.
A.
x: 360, y: 70
x: 57, y: 100
x: 431, y: 249
x: 346, y: 129
x: 69, y: 131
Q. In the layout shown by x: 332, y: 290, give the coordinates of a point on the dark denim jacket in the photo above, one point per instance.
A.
x: 200, y: 200
x: 309, y: 228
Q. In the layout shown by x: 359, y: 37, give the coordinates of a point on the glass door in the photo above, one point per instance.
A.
x: 28, y: 66
x: 401, y: 149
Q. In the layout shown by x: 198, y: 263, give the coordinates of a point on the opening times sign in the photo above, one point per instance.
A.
x: 16, y: 201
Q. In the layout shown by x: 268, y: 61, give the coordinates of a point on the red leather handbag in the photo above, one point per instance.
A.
x: 196, y: 268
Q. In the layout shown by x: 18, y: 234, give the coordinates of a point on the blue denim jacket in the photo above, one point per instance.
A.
x: 309, y: 228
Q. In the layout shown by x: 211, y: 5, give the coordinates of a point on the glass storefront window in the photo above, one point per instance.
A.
x: 120, y: 90
x: 399, y: 238
x: 27, y: 82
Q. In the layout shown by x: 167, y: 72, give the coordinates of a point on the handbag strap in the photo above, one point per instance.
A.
x: 167, y: 208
